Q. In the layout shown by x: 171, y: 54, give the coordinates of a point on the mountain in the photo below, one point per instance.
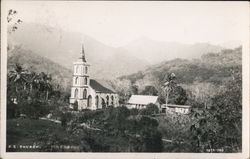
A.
x: 231, y: 44
x: 36, y: 63
x: 212, y: 68
x: 154, y: 51
x: 64, y: 48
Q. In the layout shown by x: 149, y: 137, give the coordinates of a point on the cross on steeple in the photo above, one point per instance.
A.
x: 83, y: 54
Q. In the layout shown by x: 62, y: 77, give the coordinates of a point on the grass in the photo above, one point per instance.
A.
x: 26, y: 131
x: 30, y: 131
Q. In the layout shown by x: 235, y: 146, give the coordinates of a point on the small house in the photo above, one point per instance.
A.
x: 141, y: 101
x: 173, y: 108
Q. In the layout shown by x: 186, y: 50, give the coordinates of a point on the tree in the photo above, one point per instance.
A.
x: 150, y: 90
x: 201, y: 92
x: 13, y: 23
x: 220, y: 125
x: 150, y: 137
x: 65, y: 118
x: 75, y: 106
x: 12, y: 110
x: 28, y: 93
x: 169, y: 85
x: 178, y: 96
x: 123, y: 88
x: 134, y: 89
x: 150, y: 109
x: 45, y: 85
x: 11, y: 19
x: 17, y: 80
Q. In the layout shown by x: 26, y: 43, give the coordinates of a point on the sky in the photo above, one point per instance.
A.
x: 116, y: 23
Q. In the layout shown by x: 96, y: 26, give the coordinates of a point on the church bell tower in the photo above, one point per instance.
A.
x: 80, y: 84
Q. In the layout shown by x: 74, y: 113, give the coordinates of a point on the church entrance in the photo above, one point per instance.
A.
x: 89, y: 104
x: 103, y: 103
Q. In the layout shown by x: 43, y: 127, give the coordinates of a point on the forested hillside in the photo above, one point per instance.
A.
x: 199, y: 77
x: 33, y: 62
x: 212, y: 67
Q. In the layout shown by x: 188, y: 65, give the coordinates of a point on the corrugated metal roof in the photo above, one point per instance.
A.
x: 98, y: 87
x: 142, y: 99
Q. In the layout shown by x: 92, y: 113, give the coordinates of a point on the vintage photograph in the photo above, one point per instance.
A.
x: 124, y: 76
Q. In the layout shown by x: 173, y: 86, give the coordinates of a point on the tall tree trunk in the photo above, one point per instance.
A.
x: 47, y: 95
x: 31, y: 88
x: 167, y: 100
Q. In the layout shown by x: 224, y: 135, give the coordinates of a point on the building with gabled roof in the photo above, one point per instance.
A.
x: 88, y: 93
x: 141, y: 101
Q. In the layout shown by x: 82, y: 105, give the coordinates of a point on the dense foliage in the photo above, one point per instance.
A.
x: 198, y: 77
x: 212, y: 86
x: 109, y: 130
x: 220, y: 125
x: 32, y: 94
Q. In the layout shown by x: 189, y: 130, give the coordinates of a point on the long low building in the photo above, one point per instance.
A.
x: 141, y: 101
x: 173, y: 108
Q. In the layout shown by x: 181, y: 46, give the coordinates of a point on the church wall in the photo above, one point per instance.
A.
x: 82, y: 103
x: 93, y: 94
x: 104, y: 96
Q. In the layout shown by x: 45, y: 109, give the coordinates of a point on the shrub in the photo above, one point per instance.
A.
x: 150, y: 109
x: 65, y: 118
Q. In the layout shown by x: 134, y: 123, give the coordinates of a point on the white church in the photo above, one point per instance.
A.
x: 88, y: 93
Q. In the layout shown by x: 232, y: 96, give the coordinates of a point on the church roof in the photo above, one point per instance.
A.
x: 142, y: 99
x: 98, y: 87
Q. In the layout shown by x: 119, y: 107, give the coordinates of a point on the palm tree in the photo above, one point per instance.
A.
x: 169, y: 85
x: 17, y: 77
x: 45, y: 84
x: 31, y: 83
x: 48, y: 86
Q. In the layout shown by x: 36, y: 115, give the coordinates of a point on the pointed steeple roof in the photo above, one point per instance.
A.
x: 83, y: 55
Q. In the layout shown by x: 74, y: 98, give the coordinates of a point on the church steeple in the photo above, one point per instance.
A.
x: 83, y: 54
x: 80, y: 82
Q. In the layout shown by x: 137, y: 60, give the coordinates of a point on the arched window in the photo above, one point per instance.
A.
x: 77, y: 67
x: 89, y: 101
x: 81, y: 69
x: 76, y: 80
x: 86, y: 70
x: 85, y: 80
x: 84, y: 95
x: 96, y: 101
x: 112, y: 100
x: 76, y: 93
x: 107, y: 102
